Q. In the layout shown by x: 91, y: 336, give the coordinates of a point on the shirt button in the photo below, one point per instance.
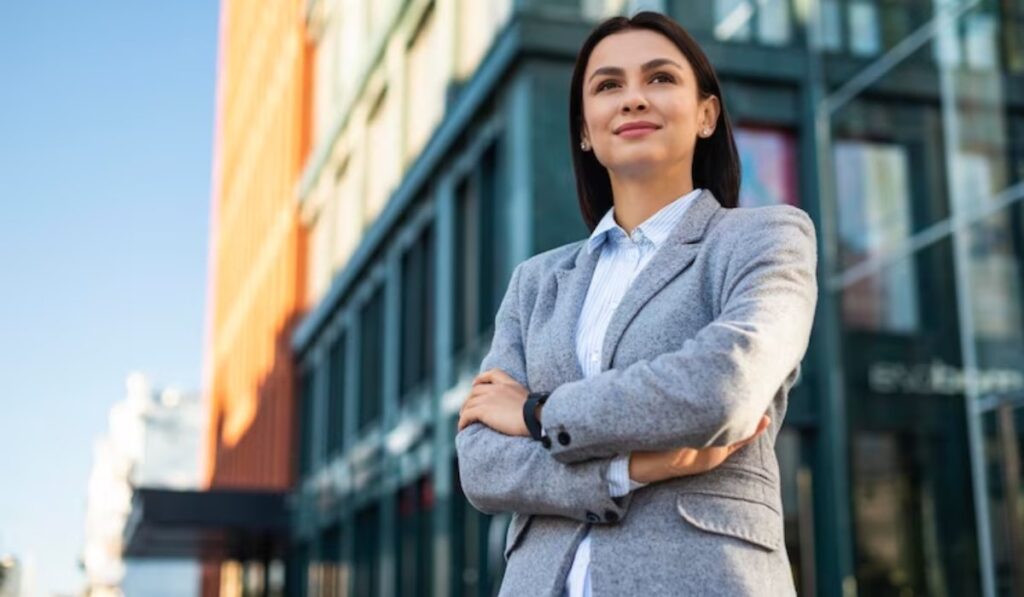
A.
x: 592, y: 516
x: 563, y: 438
x: 610, y: 515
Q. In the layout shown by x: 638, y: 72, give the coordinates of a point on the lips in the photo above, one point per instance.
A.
x: 636, y: 125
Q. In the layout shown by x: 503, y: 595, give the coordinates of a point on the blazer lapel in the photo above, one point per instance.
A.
x: 674, y: 256
x: 571, y: 286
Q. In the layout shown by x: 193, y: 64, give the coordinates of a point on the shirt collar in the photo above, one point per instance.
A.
x: 656, y: 228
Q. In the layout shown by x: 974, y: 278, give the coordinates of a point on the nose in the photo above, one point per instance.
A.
x: 634, y: 101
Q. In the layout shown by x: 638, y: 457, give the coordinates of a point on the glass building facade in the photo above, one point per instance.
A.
x: 898, y: 126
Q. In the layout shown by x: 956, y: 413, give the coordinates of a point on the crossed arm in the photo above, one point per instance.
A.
x: 711, y: 393
x: 516, y: 473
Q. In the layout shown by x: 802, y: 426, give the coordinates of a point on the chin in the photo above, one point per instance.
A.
x: 639, y: 162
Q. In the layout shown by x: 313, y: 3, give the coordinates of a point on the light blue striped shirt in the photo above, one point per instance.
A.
x: 621, y: 259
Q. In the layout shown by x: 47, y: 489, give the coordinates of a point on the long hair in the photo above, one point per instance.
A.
x: 716, y: 164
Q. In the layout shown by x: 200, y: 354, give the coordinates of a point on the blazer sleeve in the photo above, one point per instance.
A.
x: 501, y: 473
x: 714, y: 390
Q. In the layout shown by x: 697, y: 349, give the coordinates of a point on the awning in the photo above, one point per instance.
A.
x: 206, y: 525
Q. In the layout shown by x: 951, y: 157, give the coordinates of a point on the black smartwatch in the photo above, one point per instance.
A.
x: 533, y: 400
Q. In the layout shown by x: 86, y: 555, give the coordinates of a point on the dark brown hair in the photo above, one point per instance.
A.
x: 716, y: 164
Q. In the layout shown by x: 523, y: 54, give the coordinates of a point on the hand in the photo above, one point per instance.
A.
x: 651, y: 467
x: 496, y: 400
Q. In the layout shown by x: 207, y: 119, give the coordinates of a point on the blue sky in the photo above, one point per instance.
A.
x: 106, y: 119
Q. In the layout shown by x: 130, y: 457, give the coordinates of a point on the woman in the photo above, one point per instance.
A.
x: 629, y: 404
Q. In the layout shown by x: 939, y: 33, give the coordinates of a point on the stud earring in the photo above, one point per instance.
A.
x: 584, y: 145
x: 707, y: 132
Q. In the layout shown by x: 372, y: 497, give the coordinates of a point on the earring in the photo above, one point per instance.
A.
x: 707, y: 132
x: 584, y: 145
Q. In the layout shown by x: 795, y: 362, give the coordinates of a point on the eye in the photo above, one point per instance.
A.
x: 604, y: 85
x: 663, y: 77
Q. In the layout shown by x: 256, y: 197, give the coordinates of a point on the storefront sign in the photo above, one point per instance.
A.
x: 939, y: 378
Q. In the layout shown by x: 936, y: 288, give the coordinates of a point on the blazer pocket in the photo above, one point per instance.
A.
x: 746, y: 519
x: 516, y: 527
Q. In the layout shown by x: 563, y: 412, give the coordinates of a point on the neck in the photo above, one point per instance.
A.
x: 639, y: 196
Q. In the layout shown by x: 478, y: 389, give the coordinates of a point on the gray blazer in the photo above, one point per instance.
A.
x: 707, y: 339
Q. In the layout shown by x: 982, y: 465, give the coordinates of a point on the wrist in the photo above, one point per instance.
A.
x: 640, y: 467
x: 649, y: 467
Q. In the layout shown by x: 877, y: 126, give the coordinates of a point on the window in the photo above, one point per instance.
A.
x: 865, y: 36
x: 479, y: 25
x: 425, y: 84
x: 467, y: 238
x: 763, y: 21
x: 479, y: 274
x: 384, y: 165
x: 336, y: 395
x: 417, y: 350
x: 305, y: 423
x: 874, y: 219
x: 367, y: 552
x: 300, y: 569
x: 413, y: 539
x: 768, y: 165
x: 326, y: 78
x: 319, y: 273
x: 371, y: 356
x: 328, y: 573
x: 351, y: 47
x: 347, y: 210
x: 475, y: 570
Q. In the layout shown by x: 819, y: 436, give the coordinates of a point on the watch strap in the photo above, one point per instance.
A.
x: 533, y: 400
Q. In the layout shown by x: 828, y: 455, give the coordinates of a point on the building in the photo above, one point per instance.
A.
x: 439, y: 160
x: 256, y: 281
x: 152, y: 440
x: 11, y: 573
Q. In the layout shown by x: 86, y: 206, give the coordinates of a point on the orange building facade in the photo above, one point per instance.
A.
x: 257, y: 245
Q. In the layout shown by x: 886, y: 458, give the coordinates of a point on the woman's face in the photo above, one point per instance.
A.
x: 641, y: 107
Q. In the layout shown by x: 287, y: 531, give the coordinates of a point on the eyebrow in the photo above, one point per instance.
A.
x: 649, y: 65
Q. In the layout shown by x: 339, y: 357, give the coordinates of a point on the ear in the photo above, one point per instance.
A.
x: 710, y: 109
x: 584, y: 133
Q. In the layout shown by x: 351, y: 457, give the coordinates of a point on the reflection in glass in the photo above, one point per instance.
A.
x: 910, y: 474
x: 367, y: 557
x: 865, y: 37
x: 874, y: 220
x: 912, y: 505
x: 763, y: 21
x: 413, y: 540
x: 1004, y: 443
x: 797, y: 506
x: 994, y: 270
x: 831, y: 32
x: 328, y: 575
x: 768, y: 166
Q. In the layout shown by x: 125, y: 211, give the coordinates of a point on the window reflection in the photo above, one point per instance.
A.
x: 874, y: 220
x: 910, y: 474
x: 1004, y: 444
x: 763, y: 21
x: 767, y: 163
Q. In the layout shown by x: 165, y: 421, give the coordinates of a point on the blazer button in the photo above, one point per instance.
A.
x: 563, y: 438
x: 610, y: 515
x: 592, y: 517
x: 546, y: 441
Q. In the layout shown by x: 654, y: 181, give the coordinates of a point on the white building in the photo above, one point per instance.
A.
x: 153, y: 439
x: 10, y: 577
